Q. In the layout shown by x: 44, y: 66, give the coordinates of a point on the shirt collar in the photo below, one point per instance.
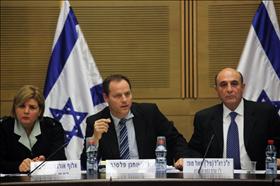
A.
x: 117, y: 120
x: 239, y: 110
x: 24, y: 139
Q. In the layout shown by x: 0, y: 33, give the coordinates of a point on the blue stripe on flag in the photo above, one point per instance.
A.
x: 61, y: 51
x: 268, y: 37
x: 96, y: 94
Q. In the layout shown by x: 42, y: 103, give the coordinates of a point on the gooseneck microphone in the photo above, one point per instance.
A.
x: 48, y: 158
x: 206, y: 152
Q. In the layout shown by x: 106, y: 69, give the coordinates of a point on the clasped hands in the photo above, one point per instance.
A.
x: 25, y: 164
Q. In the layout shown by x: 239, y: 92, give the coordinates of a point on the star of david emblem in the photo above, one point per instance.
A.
x: 264, y: 98
x: 68, y: 109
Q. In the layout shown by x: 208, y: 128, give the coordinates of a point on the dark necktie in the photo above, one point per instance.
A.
x: 124, y: 149
x: 233, y: 141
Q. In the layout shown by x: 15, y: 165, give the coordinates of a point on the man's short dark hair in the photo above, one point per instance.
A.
x: 114, y: 77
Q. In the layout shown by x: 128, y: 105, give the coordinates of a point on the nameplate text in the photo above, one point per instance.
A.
x: 60, y: 168
x: 130, y: 166
x: 221, y: 166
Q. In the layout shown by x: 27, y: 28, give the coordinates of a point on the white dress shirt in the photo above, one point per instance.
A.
x: 132, y: 144
x: 244, y: 158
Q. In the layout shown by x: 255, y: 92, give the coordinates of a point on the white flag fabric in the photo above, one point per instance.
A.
x: 73, y: 87
x: 260, y: 60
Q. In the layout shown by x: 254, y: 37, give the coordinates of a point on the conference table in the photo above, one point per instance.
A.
x: 176, y: 179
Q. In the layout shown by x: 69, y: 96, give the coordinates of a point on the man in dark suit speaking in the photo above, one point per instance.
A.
x: 143, y: 122
x: 240, y: 127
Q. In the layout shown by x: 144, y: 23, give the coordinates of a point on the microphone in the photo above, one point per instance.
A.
x: 48, y: 158
x: 205, y: 154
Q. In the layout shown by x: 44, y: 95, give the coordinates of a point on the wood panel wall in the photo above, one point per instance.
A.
x: 171, y: 50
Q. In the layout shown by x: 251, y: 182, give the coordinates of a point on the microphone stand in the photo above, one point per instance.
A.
x: 50, y: 156
x: 207, y: 149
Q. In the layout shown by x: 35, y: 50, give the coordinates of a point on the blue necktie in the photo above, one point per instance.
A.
x: 233, y: 141
x: 124, y: 149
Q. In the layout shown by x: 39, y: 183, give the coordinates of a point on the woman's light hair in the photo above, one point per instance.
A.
x: 25, y: 93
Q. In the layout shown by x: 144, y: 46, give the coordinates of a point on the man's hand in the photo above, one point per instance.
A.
x: 179, y: 164
x: 100, y: 126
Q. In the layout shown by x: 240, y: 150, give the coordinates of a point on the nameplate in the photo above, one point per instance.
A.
x: 59, y: 168
x: 130, y: 166
x: 221, y: 166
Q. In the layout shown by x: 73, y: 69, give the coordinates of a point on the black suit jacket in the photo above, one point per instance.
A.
x: 261, y: 122
x: 149, y: 123
x: 12, y: 152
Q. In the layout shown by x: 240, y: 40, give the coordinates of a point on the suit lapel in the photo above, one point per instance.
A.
x: 111, y: 137
x: 249, y: 122
x: 217, y: 125
x: 113, y: 140
x: 140, y: 130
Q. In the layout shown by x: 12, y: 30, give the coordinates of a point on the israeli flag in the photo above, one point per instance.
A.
x: 260, y: 60
x: 73, y: 87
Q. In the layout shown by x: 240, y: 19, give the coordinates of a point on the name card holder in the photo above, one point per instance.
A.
x: 211, y: 168
x: 57, y: 168
x: 131, y: 168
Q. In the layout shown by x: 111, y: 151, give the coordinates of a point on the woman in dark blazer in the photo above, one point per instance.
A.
x: 27, y: 136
